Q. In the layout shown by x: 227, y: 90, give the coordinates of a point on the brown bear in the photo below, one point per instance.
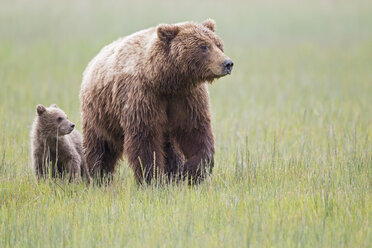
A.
x: 55, y: 142
x: 146, y: 95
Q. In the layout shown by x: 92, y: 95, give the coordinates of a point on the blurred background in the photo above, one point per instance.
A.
x: 292, y: 124
x: 298, y: 64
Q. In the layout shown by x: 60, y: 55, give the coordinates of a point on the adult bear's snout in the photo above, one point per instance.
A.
x: 227, y: 66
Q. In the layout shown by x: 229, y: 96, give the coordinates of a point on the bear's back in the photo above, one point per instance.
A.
x: 123, y: 57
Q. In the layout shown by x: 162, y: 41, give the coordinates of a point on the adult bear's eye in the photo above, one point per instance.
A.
x: 59, y: 119
x: 204, y: 48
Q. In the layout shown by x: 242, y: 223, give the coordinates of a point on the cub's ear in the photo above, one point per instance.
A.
x: 167, y: 32
x: 210, y: 24
x: 54, y: 106
x: 40, y: 109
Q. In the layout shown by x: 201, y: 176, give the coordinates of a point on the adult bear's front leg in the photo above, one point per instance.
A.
x: 143, y: 123
x: 145, y: 155
x: 174, y: 160
x: 198, y: 148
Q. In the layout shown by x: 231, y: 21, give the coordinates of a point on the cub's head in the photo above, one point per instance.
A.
x: 195, y: 50
x: 53, y: 120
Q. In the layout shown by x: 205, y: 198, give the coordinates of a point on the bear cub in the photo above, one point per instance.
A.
x: 56, y: 145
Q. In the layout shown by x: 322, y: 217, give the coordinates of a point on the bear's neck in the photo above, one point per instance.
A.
x: 171, y: 83
x: 165, y: 77
x: 49, y: 136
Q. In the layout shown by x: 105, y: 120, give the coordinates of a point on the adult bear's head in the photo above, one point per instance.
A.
x: 192, y: 52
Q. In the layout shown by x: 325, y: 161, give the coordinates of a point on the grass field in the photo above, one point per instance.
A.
x: 293, y: 128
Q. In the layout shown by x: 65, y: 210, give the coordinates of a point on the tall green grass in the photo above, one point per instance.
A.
x: 293, y: 127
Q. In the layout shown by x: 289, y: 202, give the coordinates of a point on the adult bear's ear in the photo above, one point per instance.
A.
x: 40, y: 109
x: 210, y: 24
x: 54, y: 105
x: 167, y: 32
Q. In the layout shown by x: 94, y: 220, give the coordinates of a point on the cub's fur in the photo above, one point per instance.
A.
x: 55, y: 145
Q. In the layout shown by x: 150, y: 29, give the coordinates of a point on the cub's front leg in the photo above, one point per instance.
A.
x: 39, y: 162
x: 74, y: 168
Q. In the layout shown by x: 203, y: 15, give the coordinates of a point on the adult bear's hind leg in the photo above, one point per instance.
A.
x: 101, y: 156
x: 112, y: 153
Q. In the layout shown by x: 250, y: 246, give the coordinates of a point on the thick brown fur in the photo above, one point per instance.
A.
x: 146, y: 95
x: 55, y: 143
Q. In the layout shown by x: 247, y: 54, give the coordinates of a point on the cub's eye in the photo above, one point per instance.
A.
x: 59, y: 119
x: 204, y: 48
x: 219, y: 46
